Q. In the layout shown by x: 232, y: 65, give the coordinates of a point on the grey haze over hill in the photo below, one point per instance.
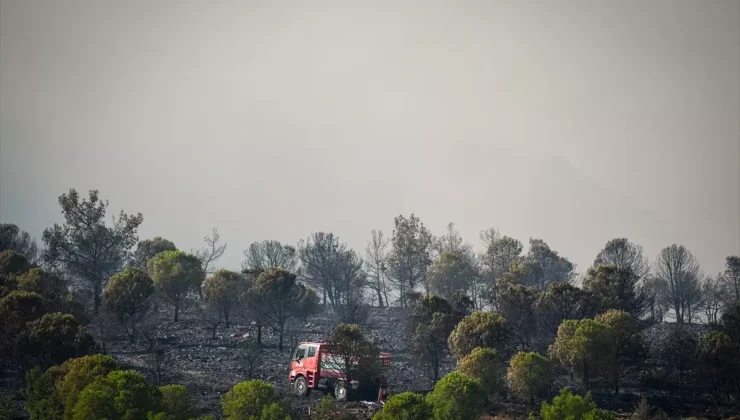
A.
x: 574, y: 121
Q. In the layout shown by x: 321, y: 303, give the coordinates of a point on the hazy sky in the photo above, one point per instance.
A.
x: 572, y: 121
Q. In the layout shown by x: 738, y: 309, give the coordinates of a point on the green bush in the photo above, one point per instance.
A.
x: 177, y: 402
x: 127, y: 296
x: 585, y: 347
x: 12, y: 263
x: 457, y: 397
x: 53, y: 394
x: 485, y: 366
x: 529, y: 374
x: 567, y: 406
x: 479, y: 329
x: 18, y: 308
x: 6, y: 405
x: 43, y: 400
x: 627, y: 340
x: 325, y: 410
x: 124, y: 395
x: 405, y: 406
x: 276, y: 411
x: 56, y: 337
x: 175, y: 273
x: 246, y: 400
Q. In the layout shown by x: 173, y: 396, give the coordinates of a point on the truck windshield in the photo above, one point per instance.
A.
x: 300, y: 353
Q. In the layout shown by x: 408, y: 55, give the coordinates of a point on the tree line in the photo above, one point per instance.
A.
x: 87, y: 252
x: 505, y: 316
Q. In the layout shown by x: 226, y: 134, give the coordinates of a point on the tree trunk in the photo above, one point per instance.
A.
x: 259, y: 333
x: 213, y: 335
x: 436, y: 369
x: 177, y: 308
x: 280, y: 340
x: 130, y: 333
x: 380, y: 298
x: 96, y: 296
x: 226, y: 317
x: 616, y: 385
x: 531, y: 397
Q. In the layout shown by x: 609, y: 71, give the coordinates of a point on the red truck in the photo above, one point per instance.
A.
x: 314, y: 366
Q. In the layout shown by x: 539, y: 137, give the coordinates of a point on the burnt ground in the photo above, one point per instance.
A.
x: 209, y: 368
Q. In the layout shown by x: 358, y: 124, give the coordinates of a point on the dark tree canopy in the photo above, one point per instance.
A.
x: 518, y: 305
x: 223, y: 290
x: 14, y: 239
x: 122, y: 394
x: 53, y: 394
x: 328, y: 265
x: 452, y: 272
x: 277, y: 297
x: 263, y: 255
x: 12, y: 263
x: 348, y: 344
x: 625, y: 255
x: 176, y: 273
x: 544, y: 266
x: 148, y: 249
x: 563, y: 301
x: 56, y: 337
x: 432, y: 320
x: 500, y: 253
x: 84, y: 247
x: 127, y: 296
x: 617, y: 288
x: 411, y: 254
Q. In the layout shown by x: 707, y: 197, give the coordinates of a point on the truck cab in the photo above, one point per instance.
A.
x: 314, y: 366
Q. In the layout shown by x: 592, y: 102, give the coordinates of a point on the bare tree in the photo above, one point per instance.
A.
x: 625, y: 255
x: 209, y: 313
x: 731, y: 277
x: 105, y: 327
x: 353, y: 309
x: 376, y: 265
x: 489, y: 236
x: 714, y: 295
x: 250, y: 357
x: 155, y: 361
x: 263, y: 255
x: 328, y: 265
x: 680, y: 274
x: 451, y: 242
x: 211, y: 252
x: 149, y: 328
x: 658, y: 305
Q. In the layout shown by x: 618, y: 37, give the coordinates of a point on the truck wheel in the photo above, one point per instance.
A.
x: 340, y: 391
x: 300, y: 387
